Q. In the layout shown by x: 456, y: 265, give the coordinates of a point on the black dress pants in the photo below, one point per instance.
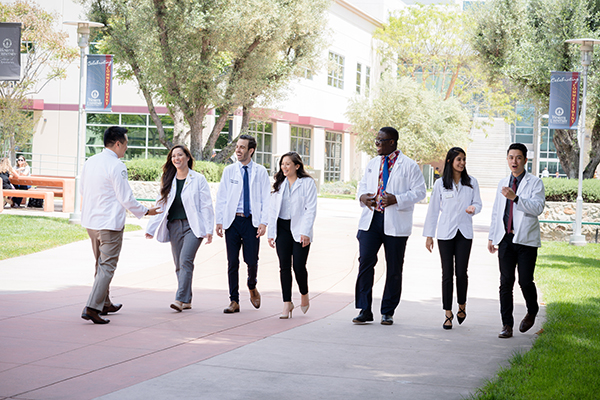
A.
x: 369, y: 244
x: 454, y: 254
x: 290, y: 253
x: 511, y: 257
x: 241, y: 235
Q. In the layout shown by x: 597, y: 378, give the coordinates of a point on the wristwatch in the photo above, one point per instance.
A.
x: 516, y: 200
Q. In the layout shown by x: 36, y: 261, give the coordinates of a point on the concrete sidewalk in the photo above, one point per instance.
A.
x: 148, y: 351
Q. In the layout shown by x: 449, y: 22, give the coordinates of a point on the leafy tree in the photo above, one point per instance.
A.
x: 197, y: 56
x: 524, y: 40
x: 429, y: 43
x: 428, y: 125
x: 45, y: 58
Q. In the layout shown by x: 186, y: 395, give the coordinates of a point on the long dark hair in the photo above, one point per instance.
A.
x: 448, y: 170
x: 280, y: 177
x: 169, y: 171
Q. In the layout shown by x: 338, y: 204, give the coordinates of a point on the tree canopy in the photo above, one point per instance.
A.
x: 45, y: 58
x: 524, y: 40
x: 428, y: 125
x: 197, y: 56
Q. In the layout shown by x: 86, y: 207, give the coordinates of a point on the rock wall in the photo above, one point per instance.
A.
x: 559, y: 211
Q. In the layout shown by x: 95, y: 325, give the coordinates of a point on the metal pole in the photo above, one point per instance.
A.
x: 577, y: 238
x: 75, y: 217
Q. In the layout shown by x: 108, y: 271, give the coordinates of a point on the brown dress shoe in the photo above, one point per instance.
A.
x: 527, y: 323
x: 255, y: 298
x: 113, y: 308
x: 232, y: 308
x: 506, y: 332
x: 92, y: 315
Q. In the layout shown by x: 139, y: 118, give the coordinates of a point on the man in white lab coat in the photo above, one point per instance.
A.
x: 106, y: 195
x: 515, y: 229
x: 388, y: 191
x: 242, y: 212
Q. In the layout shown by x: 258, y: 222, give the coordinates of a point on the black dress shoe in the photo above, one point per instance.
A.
x: 92, y: 315
x: 363, y: 317
x: 113, y: 308
x: 387, y: 319
x: 461, y: 315
x: 527, y: 323
x: 506, y: 332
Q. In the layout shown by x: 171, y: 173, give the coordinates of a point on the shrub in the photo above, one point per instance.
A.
x: 336, y: 188
x: 566, y: 190
x: 150, y: 170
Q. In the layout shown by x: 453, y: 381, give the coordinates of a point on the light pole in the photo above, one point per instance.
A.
x: 587, y: 45
x: 83, y: 30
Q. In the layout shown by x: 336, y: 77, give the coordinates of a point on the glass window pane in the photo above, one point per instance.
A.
x: 132, y: 119
x: 166, y: 120
x: 106, y: 119
x: 94, y: 135
x: 137, y: 136
x: 157, y: 152
x: 92, y: 150
x: 153, y: 140
x: 135, y: 152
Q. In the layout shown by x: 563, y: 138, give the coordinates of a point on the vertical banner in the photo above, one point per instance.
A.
x: 10, y: 51
x: 98, y: 92
x: 564, y: 100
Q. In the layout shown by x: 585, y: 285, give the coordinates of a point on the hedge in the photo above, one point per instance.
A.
x: 558, y: 189
x: 150, y: 170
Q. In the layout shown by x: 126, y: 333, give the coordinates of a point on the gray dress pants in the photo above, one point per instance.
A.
x: 184, y: 245
x: 107, y: 247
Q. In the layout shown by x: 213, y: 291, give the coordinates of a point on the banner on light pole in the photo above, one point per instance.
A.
x: 564, y: 100
x: 98, y: 94
x: 10, y: 51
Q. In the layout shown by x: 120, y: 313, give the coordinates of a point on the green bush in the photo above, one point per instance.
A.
x: 336, y: 188
x: 150, y: 169
x: 566, y: 190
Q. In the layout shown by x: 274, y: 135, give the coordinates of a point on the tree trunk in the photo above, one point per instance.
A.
x: 214, y: 134
x: 594, y: 153
x: 196, y: 123
x: 567, y: 150
x: 226, y: 152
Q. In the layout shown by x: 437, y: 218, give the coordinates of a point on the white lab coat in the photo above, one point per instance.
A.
x: 446, y: 210
x: 197, y: 203
x: 106, y: 193
x: 532, y: 200
x: 303, y: 208
x: 230, y: 190
x: 406, y: 182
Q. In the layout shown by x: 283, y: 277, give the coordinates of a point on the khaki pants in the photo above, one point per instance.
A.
x: 107, y: 247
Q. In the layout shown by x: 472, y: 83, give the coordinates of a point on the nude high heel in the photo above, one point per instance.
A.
x: 288, y: 306
x: 305, y: 308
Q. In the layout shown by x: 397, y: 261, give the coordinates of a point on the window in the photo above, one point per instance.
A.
x: 523, y: 128
x: 142, y: 134
x: 367, y: 80
x: 300, y: 143
x: 263, y: 132
x: 333, y: 156
x: 335, y: 74
x: 358, y: 77
x: 308, y: 74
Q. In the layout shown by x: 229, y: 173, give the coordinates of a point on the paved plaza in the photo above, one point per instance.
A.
x: 148, y: 351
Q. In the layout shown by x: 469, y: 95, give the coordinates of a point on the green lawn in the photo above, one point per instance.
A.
x: 564, y: 362
x: 23, y: 234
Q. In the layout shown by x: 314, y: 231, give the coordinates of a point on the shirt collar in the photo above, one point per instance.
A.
x: 110, y: 152
x: 518, y: 178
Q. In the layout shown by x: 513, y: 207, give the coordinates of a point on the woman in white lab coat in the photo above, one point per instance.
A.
x: 454, y: 201
x: 292, y: 212
x: 187, y: 218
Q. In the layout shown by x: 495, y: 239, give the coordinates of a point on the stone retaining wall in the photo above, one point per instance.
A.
x: 560, y: 211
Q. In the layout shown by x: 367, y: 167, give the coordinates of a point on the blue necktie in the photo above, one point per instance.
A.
x: 246, y: 193
x: 386, y: 172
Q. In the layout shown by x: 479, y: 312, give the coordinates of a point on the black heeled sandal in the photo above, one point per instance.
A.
x: 448, y: 319
x: 462, y: 311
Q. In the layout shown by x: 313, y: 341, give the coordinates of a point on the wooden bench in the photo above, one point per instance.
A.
x: 36, y: 194
x: 60, y: 187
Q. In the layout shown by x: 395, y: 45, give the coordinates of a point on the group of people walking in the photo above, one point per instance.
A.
x: 248, y: 207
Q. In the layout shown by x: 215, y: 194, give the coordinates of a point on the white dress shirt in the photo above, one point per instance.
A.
x: 230, y: 190
x: 197, y: 203
x: 447, y: 207
x: 303, y: 208
x: 106, y: 193
x: 531, y: 203
x: 406, y: 183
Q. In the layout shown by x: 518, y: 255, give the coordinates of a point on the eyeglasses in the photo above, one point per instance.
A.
x: 20, y: 159
x: 379, y: 141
